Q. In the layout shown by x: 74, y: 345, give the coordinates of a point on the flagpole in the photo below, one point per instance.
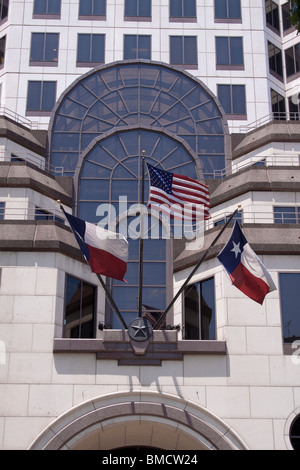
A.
x: 106, y: 290
x: 160, y: 321
x: 141, y: 254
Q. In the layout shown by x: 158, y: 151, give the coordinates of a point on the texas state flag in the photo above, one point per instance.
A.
x: 104, y: 250
x: 245, y: 269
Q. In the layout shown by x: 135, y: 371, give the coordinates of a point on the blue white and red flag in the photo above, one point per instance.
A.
x: 104, y: 250
x: 245, y: 269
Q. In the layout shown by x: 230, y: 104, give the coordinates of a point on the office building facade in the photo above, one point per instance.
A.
x: 207, y: 89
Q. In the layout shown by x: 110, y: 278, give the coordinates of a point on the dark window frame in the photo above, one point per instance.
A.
x: 286, y: 322
x: 137, y: 16
x: 2, y: 51
x: 228, y: 18
x: 230, y: 48
x: 137, y: 38
x: 201, y: 336
x: 183, y: 18
x: 95, y: 302
x: 296, y: 62
x: 44, y: 62
x: 82, y: 63
x: 92, y: 16
x: 41, y: 111
x: 272, y: 16
x: 3, y: 12
x: 2, y: 210
x: 233, y: 115
x: 288, y: 214
x: 277, y: 71
x: 47, y: 14
x: 183, y: 63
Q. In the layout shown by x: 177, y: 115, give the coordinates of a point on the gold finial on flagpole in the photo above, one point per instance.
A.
x: 58, y: 201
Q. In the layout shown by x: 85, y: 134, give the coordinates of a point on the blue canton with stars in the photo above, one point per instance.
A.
x: 230, y: 256
x: 161, y: 179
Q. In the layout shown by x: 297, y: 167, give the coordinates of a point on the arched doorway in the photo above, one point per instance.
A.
x: 138, y: 419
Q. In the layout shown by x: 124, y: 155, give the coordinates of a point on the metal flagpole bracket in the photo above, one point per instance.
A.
x: 185, y: 284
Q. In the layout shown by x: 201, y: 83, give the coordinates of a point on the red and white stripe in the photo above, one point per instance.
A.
x: 189, y: 199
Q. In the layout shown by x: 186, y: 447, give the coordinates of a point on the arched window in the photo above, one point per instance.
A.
x: 98, y: 131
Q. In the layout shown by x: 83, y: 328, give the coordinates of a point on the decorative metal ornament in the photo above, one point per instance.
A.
x: 140, y: 329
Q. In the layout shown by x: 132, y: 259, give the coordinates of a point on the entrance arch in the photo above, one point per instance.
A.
x: 135, y: 419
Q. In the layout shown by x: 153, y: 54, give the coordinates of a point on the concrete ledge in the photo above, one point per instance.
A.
x: 117, y: 345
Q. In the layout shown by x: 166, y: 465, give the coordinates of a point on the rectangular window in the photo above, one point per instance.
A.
x: 49, y: 8
x: 183, y: 51
x: 272, y: 15
x: 292, y: 60
x: 91, y: 49
x: 80, y: 309
x: 92, y: 8
x: 289, y: 286
x: 275, y: 61
x: 137, y: 46
x: 140, y: 9
x: 181, y: 10
x: 2, y: 210
x: 199, y: 311
x: 238, y: 217
x: 286, y: 16
x: 278, y: 105
x: 286, y: 215
x: 229, y: 53
x: 2, y: 51
x: 294, y: 107
x: 42, y: 214
x: 44, y: 49
x: 228, y: 10
x: 41, y: 97
x: 233, y: 100
x: 3, y: 9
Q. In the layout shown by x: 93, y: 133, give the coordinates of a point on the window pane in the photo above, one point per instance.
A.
x: 87, y: 311
x: 98, y: 48
x: 208, y: 325
x: 234, y: 9
x: 220, y: 8
x: 144, y: 8
x: 236, y: 51
x: 34, y: 96
x: 176, y: 50
x: 40, y: 7
x: 176, y: 8
x: 86, y: 7
x: 131, y: 7
x: 285, y: 215
x: 191, y: 309
x: 51, y: 47
x: 48, y: 96
x: 224, y: 96
x: 83, y: 50
x: 190, y: 50
x: 289, y: 292
x: 130, y: 46
x: 72, y: 307
x: 99, y: 7
x: 144, y: 47
x: 238, y: 99
x: 189, y: 8
x: 37, y: 46
x: 289, y: 60
x: 222, y: 51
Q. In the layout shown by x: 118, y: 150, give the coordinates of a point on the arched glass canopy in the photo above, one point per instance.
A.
x: 138, y: 93
x: 98, y: 131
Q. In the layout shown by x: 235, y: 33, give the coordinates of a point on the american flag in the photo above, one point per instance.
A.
x: 189, y: 198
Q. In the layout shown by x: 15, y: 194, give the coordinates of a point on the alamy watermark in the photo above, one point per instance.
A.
x: 165, y: 221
